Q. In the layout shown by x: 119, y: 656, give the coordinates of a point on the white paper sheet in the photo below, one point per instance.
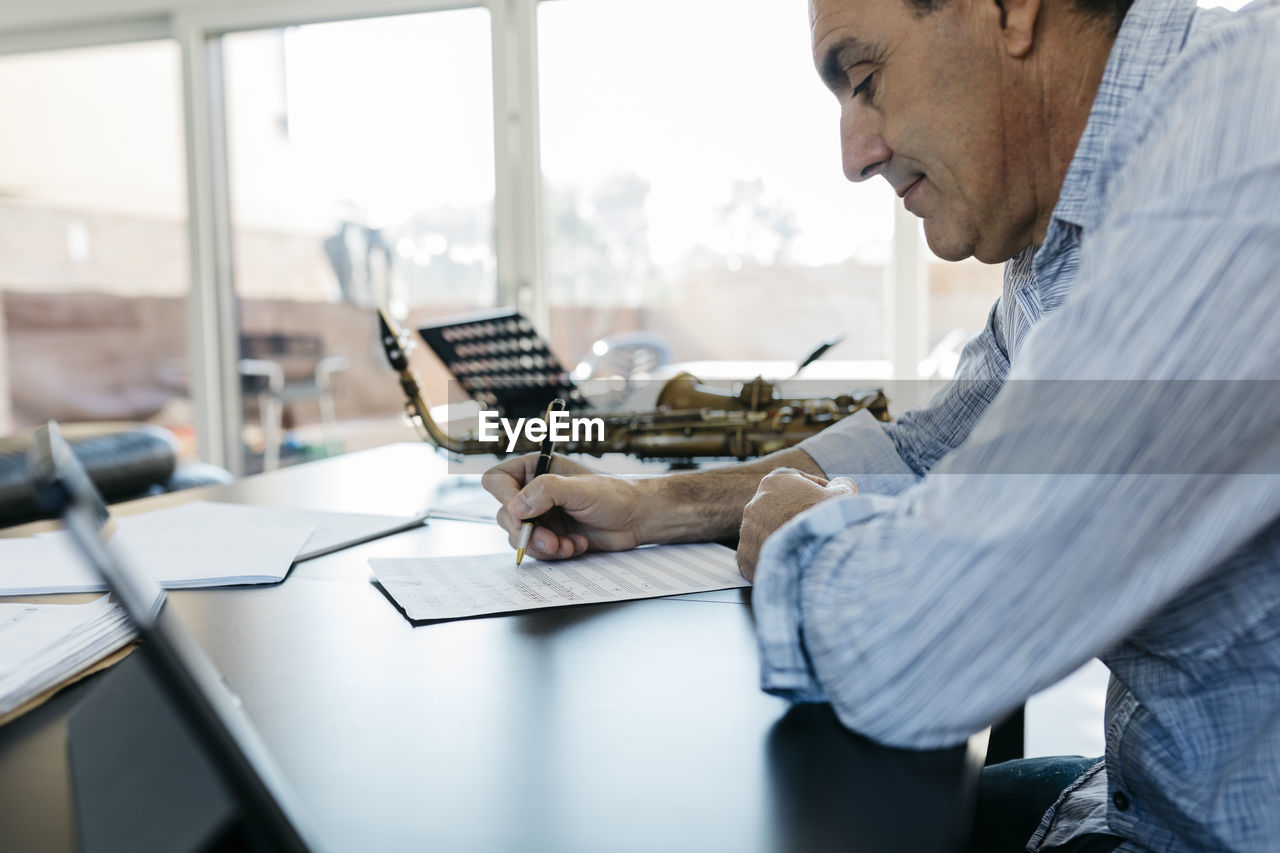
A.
x: 192, y: 545
x: 42, y: 645
x: 465, y: 504
x: 337, y: 530
x: 196, y: 544
x: 456, y: 587
x: 330, y: 530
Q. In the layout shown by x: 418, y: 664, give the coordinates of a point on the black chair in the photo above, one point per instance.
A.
x: 125, y: 461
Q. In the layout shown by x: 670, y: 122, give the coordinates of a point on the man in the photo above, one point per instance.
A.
x: 1100, y: 478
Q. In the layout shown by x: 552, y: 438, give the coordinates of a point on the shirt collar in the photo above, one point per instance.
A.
x: 1153, y: 31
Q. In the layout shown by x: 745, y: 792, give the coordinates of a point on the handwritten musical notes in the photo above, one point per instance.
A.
x: 456, y: 587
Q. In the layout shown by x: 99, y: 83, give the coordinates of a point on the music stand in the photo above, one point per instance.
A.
x: 502, y: 363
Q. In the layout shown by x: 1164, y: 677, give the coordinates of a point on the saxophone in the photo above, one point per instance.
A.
x: 691, y: 421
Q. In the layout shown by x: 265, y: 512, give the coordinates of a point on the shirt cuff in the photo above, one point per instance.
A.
x: 858, y: 447
x: 785, y: 668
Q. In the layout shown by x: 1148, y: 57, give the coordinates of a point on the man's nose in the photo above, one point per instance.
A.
x: 863, y: 150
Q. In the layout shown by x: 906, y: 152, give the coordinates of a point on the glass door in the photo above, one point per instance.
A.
x: 93, y: 239
x: 361, y: 170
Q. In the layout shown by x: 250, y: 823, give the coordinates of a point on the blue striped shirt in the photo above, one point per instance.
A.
x: 1101, y: 479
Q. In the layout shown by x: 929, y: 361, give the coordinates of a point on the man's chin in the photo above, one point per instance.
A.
x: 947, y: 246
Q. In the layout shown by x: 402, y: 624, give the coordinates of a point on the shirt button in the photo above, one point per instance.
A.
x: 1120, y: 800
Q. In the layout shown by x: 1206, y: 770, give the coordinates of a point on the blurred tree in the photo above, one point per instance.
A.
x: 600, y: 242
x: 754, y: 226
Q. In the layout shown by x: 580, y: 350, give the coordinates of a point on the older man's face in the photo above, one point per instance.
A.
x: 926, y: 104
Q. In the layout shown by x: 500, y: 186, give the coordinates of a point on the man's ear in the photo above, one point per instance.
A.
x: 1018, y: 25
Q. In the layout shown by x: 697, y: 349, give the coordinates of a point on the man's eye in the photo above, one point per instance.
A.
x: 864, y: 88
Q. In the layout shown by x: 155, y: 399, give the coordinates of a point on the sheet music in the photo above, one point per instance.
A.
x: 456, y: 587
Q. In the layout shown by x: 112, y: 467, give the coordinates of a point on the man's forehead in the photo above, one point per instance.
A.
x: 819, y: 7
x: 836, y: 40
x: 827, y: 16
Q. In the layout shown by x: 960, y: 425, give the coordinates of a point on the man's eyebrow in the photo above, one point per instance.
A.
x: 840, y: 56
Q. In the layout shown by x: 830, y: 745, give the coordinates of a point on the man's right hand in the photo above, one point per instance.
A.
x: 584, y: 510
x: 590, y: 511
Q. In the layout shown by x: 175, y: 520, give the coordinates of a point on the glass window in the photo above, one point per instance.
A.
x: 93, y: 242
x: 960, y: 296
x: 362, y: 173
x: 694, y: 187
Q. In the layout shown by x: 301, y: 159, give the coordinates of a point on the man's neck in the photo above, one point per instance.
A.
x: 1073, y: 69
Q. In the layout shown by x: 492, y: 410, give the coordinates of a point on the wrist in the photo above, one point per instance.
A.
x: 689, y: 507
x: 656, y: 519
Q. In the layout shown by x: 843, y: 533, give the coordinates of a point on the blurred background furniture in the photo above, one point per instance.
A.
x: 616, y: 364
x: 279, y: 369
x: 625, y: 355
x: 124, y: 460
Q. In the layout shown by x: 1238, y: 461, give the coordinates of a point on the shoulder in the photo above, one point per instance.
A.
x: 1211, y: 119
x: 1227, y: 68
x: 1176, y: 274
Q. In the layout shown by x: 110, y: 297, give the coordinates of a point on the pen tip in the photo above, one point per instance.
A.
x: 519, y: 555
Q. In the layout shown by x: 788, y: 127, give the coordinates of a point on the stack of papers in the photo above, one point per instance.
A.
x: 43, y: 645
x: 456, y: 587
x: 197, y: 544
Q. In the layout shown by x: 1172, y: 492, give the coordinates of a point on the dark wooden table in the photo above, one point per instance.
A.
x: 620, y: 727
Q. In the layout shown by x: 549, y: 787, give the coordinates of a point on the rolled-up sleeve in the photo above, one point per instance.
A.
x: 859, y: 447
x: 926, y: 616
x: 788, y: 672
x: 888, y: 458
